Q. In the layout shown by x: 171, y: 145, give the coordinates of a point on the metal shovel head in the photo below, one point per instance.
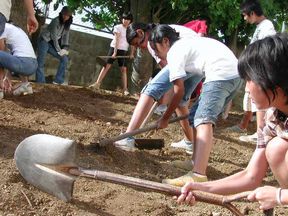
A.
x: 35, y: 154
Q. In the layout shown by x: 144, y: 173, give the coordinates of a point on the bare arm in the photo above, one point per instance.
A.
x: 117, y: 35
x: 248, y: 179
x: 178, y: 95
x: 32, y: 23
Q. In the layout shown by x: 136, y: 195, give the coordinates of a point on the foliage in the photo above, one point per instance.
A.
x: 223, y: 16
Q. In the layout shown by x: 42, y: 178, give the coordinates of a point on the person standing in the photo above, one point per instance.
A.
x: 118, y: 47
x: 54, y: 39
x: 253, y: 14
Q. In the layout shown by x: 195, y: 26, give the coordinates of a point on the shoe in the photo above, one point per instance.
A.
x: 185, y: 165
x: 249, y: 138
x: 126, y: 93
x: 95, y: 86
x: 23, y: 89
x: 184, y: 144
x: 55, y: 83
x: 235, y: 129
x: 182, y: 180
x: 127, y: 144
x: 160, y: 110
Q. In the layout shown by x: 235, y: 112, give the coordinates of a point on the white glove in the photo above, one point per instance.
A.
x: 63, y: 52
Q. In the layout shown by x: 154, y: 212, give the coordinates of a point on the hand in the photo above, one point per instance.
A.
x: 63, y: 52
x: 266, y: 197
x: 162, y: 123
x: 131, y: 56
x: 187, y: 194
x: 32, y: 24
x: 5, y: 84
x: 114, y: 55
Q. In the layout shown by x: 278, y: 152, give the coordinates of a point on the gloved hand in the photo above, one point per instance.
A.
x: 63, y: 52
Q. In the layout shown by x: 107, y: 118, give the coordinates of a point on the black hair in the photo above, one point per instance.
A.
x: 131, y: 31
x: 66, y: 11
x: 127, y: 16
x: 265, y: 63
x: 249, y: 6
x: 163, y: 31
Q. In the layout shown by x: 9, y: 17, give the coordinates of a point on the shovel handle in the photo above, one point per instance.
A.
x: 200, y: 196
x: 138, y: 131
x: 114, y: 57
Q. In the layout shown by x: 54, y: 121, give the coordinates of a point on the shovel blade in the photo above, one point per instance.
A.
x: 36, y: 151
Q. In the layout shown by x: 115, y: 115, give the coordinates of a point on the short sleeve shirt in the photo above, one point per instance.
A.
x: 263, y: 29
x: 202, y: 55
x: 276, y: 125
x: 122, y: 43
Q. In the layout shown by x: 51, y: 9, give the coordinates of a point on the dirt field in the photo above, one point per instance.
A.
x: 86, y: 116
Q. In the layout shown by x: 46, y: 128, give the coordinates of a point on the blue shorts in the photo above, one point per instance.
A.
x: 160, y: 84
x: 213, y: 100
x: 2, y: 23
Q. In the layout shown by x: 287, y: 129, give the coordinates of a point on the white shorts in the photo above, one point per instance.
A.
x: 248, y: 104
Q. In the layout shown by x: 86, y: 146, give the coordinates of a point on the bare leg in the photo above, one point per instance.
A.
x: 141, y: 110
x: 247, y: 116
x: 277, y: 157
x: 188, y: 131
x: 124, y: 78
x: 166, y: 98
x: 203, y: 147
x: 103, y: 73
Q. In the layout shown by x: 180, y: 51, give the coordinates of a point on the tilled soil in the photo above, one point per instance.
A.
x: 88, y: 117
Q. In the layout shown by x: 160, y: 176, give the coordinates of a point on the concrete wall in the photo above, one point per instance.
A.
x: 83, y: 68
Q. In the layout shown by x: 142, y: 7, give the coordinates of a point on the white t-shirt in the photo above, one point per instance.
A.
x: 5, y: 7
x: 183, y: 33
x: 18, y: 41
x: 122, y: 43
x: 204, y: 56
x: 264, y: 28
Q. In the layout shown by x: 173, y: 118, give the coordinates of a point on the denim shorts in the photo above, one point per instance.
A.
x: 160, y: 84
x: 2, y: 23
x: 213, y: 100
x: 25, y: 66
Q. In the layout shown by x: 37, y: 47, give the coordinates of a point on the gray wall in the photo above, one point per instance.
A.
x: 83, y: 68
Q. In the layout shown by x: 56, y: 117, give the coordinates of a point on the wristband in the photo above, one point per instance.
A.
x: 278, y: 196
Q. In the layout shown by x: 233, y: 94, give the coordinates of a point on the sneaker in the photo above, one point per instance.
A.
x: 55, y: 83
x: 126, y: 93
x: 160, y: 110
x: 23, y: 89
x: 185, y: 165
x: 182, y: 180
x: 95, y: 86
x: 184, y: 144
x: 127, y: 144
x: 249, y: 138
x: 235, y: 129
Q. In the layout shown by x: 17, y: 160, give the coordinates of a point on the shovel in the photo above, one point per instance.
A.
x: 47, y: 162
x: 138, y: 131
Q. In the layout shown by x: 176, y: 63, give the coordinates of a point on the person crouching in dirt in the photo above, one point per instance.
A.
x: 54, y: 39
x: 137, y: 36
x: 264, y: 66
x: 21, y: 60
